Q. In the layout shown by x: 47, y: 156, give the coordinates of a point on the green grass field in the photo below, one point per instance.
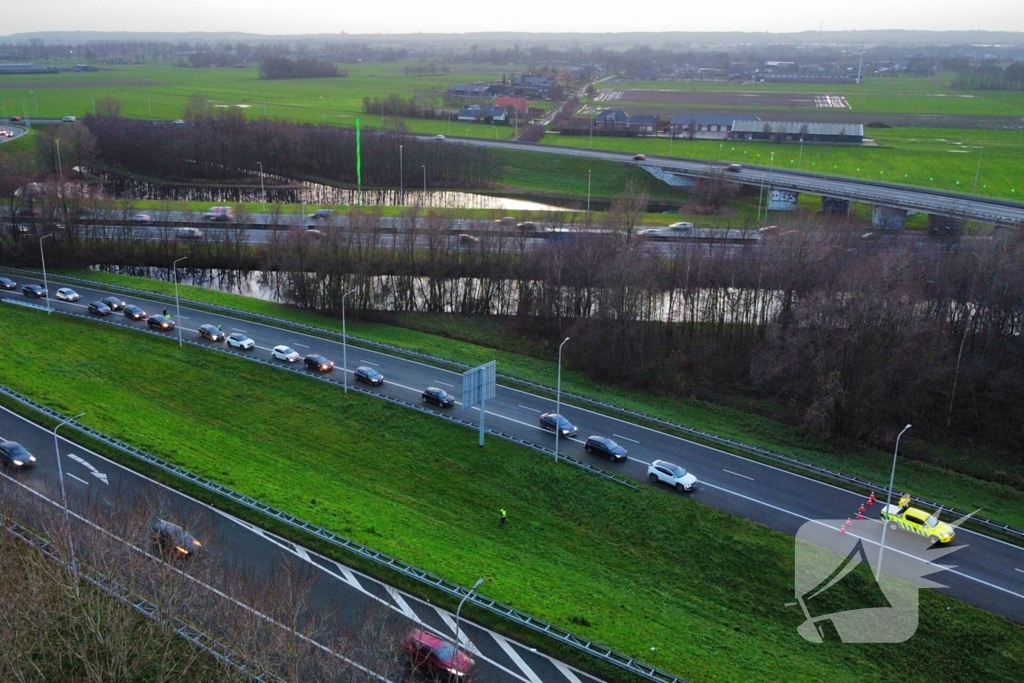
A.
x: 692, y: 590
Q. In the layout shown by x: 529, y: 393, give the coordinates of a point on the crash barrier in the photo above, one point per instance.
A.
x: 459, y: 592
x: 737, y: 446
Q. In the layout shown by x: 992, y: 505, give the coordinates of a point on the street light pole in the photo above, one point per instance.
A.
x: 771, y: 168
x: 888, y: 500
x: 42, y: 257
x: 401, y: 177
x: 978, y: 171
x: 263, y: 191
x: 177, y: 301
x: 60, y: 166
x: 558, y: 398
x: 459, y: 611
x: 424, y: 167
x: 588, y: 195
x: 63, y: 491
x: 344, y: 343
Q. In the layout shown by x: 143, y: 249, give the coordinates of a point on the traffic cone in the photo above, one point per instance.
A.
x: 849, y: 522
x: 860, y: 516
x: 871, y: 498
x: 842, y: 529
x: 861, y: 509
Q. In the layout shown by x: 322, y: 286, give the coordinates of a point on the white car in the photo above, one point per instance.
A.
x: 285, y: 353
x: 674, y: 231
x: 673, y: 475
x: 238, y: 340
x: 67, y: 294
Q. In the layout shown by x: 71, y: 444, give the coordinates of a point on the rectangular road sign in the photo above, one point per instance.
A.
x: 478, y: 384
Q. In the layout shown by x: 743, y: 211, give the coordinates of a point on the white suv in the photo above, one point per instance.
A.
x: 673, y: 475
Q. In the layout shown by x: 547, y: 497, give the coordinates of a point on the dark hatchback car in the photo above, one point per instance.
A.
x: 439, y: 659
x: 172, y: 540
x: 439, y: 397
x: 211, y: 332
x: 315, y: 361
x: 134, y: 312
x: 160, y: 322
x: 16, y: 456
x: 601, y: 445
x: 549, y: 421
x: 99, y: 308
x: 34, y: 290
x: 114, y: 303
x: 8, y: 283
x: 367, y: 374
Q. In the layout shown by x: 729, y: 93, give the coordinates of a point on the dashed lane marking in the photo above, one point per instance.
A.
x: 626, y: 438
x: 737, y: 474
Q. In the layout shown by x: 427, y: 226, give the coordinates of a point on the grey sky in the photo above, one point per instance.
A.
x: 458, y: 16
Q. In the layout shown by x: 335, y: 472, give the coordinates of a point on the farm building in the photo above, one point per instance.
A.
x: 793, y: 131
x: 684, y: 124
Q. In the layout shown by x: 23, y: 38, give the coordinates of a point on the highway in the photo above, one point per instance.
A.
x: 989, y: 573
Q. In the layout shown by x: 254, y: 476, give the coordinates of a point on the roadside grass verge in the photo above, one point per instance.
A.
x: 475, y: 341
x: 634, y: 570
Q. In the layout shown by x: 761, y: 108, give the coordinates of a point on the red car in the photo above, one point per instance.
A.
x: 436, y: 657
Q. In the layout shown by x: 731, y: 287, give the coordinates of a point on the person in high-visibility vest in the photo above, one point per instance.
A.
x: 503, y: 514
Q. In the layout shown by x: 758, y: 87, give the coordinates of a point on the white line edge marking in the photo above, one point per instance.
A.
x: 521, y: 406
x: 626, y: 438
x: 514, y: 656
x: 400, y: 603
x: 444, y: 384
x: 303, y: 346
x: 737, y: 474
x: 368, y: 362
x: 1018, y: 570
x: 76, y: 478
x: 464, y: 641
x: 566, y: 671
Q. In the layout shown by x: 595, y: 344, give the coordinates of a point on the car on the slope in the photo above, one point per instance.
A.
x: 322, y: 214
x: 673, y: 475
x: 734, y: 168
x: 142, y: 218
x: 283, y: 352
x: 219, y: 213
x: 677, y: 230
x: 315, y: 361
x: 67, y: 294
x: 211, y: 332
x: 133, y: 312
x: 15, y: 456
x: 237, y: 340
x: 602, y: 445
x: 36, y: 291
x: 436, y: 658
x: 639, y: 157
x: 365, y: 373
x: 555, y: 422
x: 99, y: 308
x: 160, y: 322
x: 439, y: 397
x: 8, y: 283
x: 172, y: 540
x: 189, y: 234
x: 114, y: 303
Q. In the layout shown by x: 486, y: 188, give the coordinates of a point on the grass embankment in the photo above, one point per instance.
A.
x: 476, y: 341
x: 690, y: 589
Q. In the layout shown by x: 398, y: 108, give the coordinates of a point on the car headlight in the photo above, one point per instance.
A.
x: 32, y: 458
x: 17, y: 463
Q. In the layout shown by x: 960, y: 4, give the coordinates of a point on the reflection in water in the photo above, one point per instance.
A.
x: 295, y: 192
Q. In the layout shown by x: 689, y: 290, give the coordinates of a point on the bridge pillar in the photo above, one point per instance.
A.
x: 944, y: 225
x: 888, y: 218
x: 835, y: 206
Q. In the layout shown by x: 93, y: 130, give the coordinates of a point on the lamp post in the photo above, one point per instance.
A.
x: 888, y: 500
x: 978, y: 171
x: 771, y: 168
x: 177, y: 301
x: 588, y: 195
x: 424, y: 167
x: 558, y: 398
x: 459, y: 611
x: 263, y: 191
x: 42, y: 257
x: 344, y: 343
x: 401, y: 177
x: 63, y: 491
x: 60, y: 166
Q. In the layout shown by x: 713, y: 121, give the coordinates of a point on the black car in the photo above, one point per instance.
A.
x: 172, y: 540
x: 160, y: 322
x: 14, y: 455
x: 439, y: 397
x: 114, y: 303
x: 367, y: 374
x: 99, y: 308
x: 549, y: 421
x: 34, y: 290
x: 315, y: 361
x: 602, y: 445
x: 211, y: 332
x: 134, y: 312
x: 8, y: 283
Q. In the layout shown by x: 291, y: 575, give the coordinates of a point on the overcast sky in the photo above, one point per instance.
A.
x: 461, y: 16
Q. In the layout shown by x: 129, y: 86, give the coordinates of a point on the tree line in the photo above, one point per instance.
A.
x: 990, y: 76
x: 275, y: 68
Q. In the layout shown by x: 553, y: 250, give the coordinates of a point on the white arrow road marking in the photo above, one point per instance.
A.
x: 514, y: 656
x: 95, y: 472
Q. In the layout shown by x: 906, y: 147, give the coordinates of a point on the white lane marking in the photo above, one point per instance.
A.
x: 301, y: 346
x: 349, y: 576
x: 524, y: 408
x: 626, y: 438
x: 737, y: 474
x: 96, y: 473
x: 514, y: 656
x: 1019, y: 570
x: 566, y: 671
x: 301, y: 552
x: 77, y: 478
x: 368, y: 362
x: 400, y: 603
x: 235, y: 329
x: 464, y: 642
x: 444, y: 384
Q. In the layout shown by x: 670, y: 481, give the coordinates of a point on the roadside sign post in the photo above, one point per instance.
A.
x: 478, y: 386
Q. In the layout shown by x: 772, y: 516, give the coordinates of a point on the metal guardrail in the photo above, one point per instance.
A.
x: 758, y: 451
x: 197, y: 637
x: 411, y: 571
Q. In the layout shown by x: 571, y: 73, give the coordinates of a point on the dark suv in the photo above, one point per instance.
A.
x: 315, y: 361
x: 34, y: 290
x: 602, y: 445
x: 113, y: 302
x: 172, y: 540
x: 436, y: 657
x: 439, y: 397
x: 211, y: 332
x: 553, y: 421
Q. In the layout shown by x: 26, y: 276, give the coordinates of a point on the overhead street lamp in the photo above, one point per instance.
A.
x: 177, y: 301
x: 42, y: 257
x: 263, y: 191
x: 459, y: 611
x: 978, y: 171
x: 344, y: 342
x: 63, y: 491
x: 401, y: 178
x: 558, y: 398
x: 888, y: 500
